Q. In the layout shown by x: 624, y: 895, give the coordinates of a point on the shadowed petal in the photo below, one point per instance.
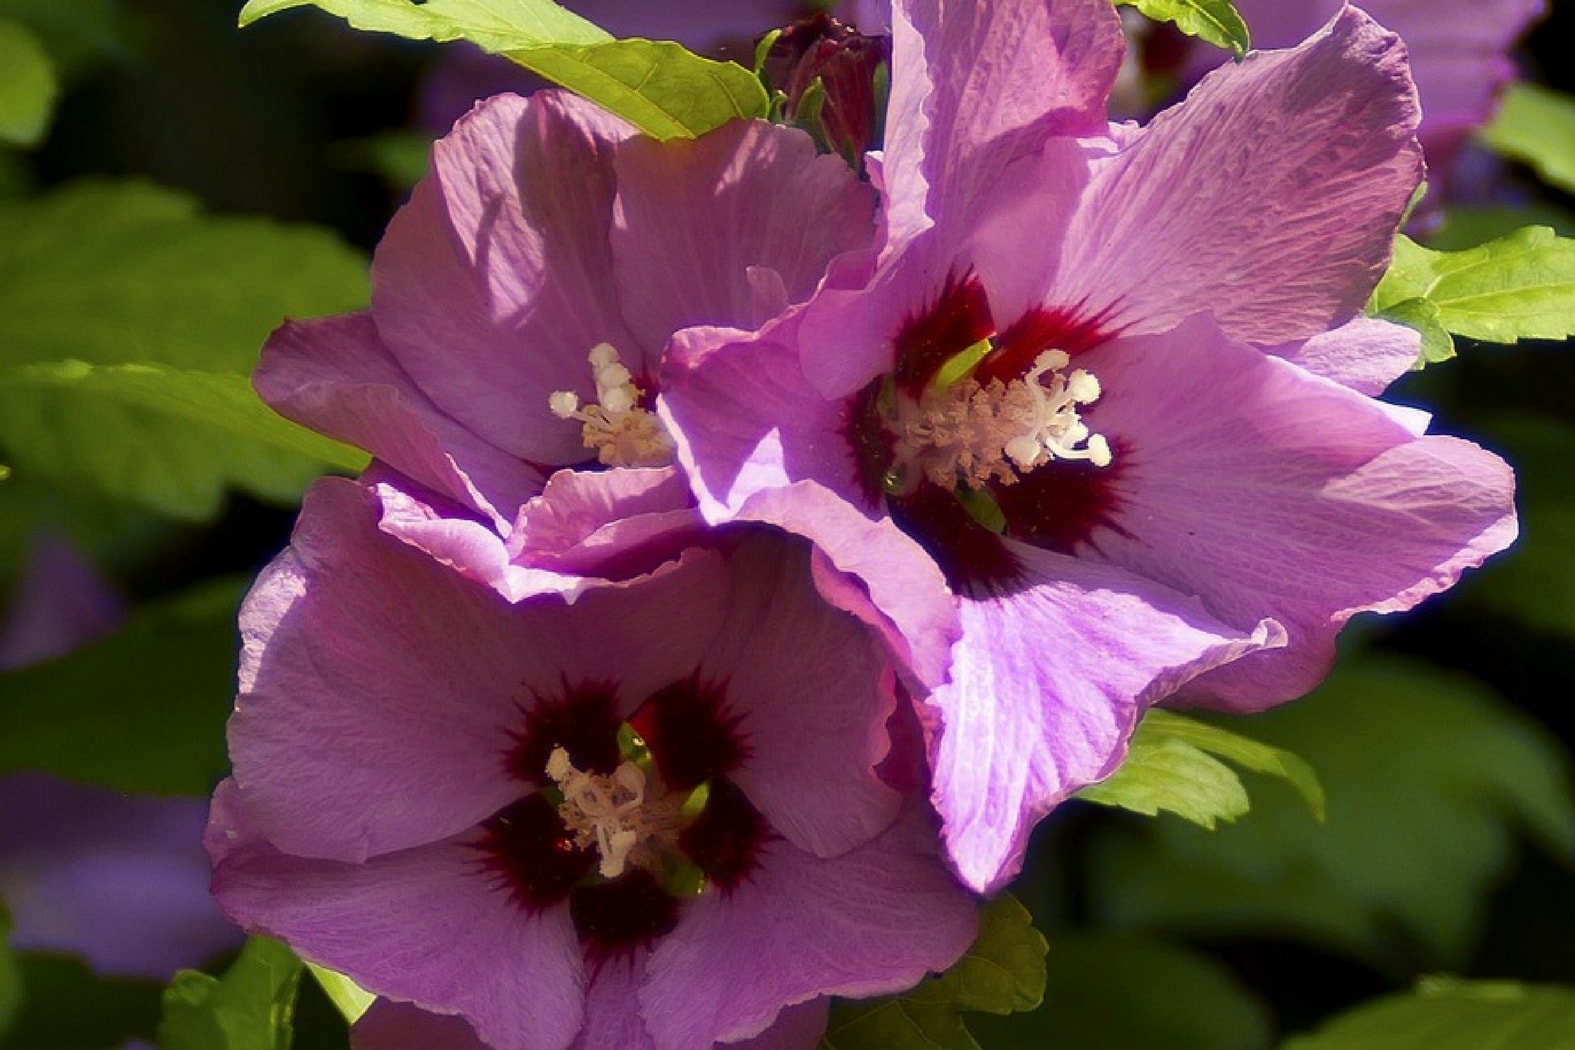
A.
x: 427, y: 925
x: 871, y: 921
x: 693, y: 219
x: 494, y: 282
x: 336, y: 376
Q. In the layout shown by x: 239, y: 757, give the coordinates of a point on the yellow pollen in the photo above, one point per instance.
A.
x: 969, y: 433
x: 621, y: 432
x: 624, y: 816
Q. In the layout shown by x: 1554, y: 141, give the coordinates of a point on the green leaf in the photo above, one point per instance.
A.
x: 1169, y: 767
x: 10, y: 977
x: 1422, y: 314
x: 1427, y: 775
x: 140, y: 711
x: 1004, y: 971
x: 1467, y: 227
x: 1448, y: 1014
x: 1534, y: 581
x: 66, y: 1006
x: 658, y: 87
x: 28, y: 86
x: 1111, y: 992
x: 127, y: 274
x: 1216, y: 21
x: 218, y: 411
x: 78, y: 34
x: 350, y: 998
x: 1521, y: 286
x: 249, y: 1008
x: 1536, y: 125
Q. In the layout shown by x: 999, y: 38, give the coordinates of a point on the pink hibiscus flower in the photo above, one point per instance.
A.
x: 1101, y: 416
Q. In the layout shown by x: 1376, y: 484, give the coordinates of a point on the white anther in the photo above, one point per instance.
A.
x: 621, y: 432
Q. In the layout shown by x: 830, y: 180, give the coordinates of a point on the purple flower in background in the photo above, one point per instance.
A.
x: 652, y: 818
x: 1047, y: 425
x: 121, y: 880
x: 521, y: 302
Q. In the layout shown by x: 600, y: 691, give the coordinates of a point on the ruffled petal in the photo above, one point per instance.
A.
x: 336, y: 376
x: 976, y: 85
x: 1270, y: 196
x: 496, y: 279
x: 1047, y: 685
x: 869, y: 922
x: 701, y: 224
x: 1271, y: 492
x: 609, y: 523
x: 430, y: 926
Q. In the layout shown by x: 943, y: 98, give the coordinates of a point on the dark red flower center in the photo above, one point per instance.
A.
x: 981, y: 433
x: 626, y: 819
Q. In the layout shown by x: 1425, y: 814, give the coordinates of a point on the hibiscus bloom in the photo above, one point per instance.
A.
x: 1101, y: 413
x: 521, y: 301
x: 652, y: 818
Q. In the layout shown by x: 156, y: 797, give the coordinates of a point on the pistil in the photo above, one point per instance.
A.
x: 622, y: 815
x: 616, y: 427
x: 963, y: 434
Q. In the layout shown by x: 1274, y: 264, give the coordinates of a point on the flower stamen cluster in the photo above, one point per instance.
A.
x: 968, y: 434
x: 616, y: 427
x: 628, y: 826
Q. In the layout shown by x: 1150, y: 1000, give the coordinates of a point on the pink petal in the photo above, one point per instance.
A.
x: 974, y: 85
x: 695, y: 218
x: 1047, y: 685
x: 796, y: 1028
x: 1365, y: 354
x: 1270, y: 492
x: 337, y: 376
x: 496, y: 279
x: 1270, y: 196
x: 612, y: 1009
x: 426, y: 925
x: 813, y: 690
x: 869, y: 922
x: 609, y: 523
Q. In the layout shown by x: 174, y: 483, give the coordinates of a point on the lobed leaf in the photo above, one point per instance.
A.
x: 1215, y: 21
x: 140, y: 711
x: 128, y: 325
x: 1519, y: 286
x: 250, y: 1008
x: 1004, y: 971
x: 1169, y: 767
x: 1537, y: 125
x: 660, y: 88
x: 1427, y: 776
x: 28, y: 86
x: 1449, y: 1014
